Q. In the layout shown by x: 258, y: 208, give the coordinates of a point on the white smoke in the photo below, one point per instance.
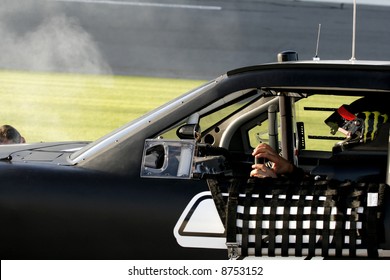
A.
x: 52, y: 41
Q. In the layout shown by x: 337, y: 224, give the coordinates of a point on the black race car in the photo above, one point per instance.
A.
x: 174, y: 184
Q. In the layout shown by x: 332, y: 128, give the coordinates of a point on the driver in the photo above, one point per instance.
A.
x: 359, y: 122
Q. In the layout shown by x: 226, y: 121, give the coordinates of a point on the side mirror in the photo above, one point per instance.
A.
x: 168, y: 159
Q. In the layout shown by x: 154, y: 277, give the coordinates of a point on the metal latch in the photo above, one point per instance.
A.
x: 232, y: 250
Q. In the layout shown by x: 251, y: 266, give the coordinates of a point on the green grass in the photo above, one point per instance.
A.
x: 55, y: 107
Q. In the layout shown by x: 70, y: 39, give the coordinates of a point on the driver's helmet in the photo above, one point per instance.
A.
x: 360, y: 120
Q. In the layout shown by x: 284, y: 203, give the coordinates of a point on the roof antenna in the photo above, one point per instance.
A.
x: 316, y: 57
x: 353, y: 58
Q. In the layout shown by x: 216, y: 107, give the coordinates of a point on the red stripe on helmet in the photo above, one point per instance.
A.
x: 345, y: 113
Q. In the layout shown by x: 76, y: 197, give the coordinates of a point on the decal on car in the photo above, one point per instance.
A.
x: 200, y: 226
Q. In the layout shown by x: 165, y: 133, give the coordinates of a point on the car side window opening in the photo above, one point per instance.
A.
x: 216, y: 120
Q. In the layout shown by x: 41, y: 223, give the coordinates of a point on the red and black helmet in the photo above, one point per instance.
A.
x: 360, y: 120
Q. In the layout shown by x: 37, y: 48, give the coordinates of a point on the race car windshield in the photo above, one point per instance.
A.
x: 134, y: 126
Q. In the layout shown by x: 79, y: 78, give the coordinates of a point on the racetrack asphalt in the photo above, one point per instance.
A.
x: 184, y: 39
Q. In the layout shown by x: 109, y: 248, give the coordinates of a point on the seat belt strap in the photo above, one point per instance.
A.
x: 231, y: 221
x: 219, y: 202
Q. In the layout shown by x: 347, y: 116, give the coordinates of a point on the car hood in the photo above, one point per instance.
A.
x: 53, y: 152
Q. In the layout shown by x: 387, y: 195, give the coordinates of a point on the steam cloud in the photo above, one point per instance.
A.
x: 55, y: 43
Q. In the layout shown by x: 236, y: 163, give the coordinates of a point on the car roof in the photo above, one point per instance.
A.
x: 351, y: 77
x: 315, y: 63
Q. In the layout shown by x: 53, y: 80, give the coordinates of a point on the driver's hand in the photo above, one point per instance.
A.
x: 279, y: 164
x: 262, y: 171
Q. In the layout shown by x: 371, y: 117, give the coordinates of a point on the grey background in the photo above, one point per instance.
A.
x: 117, y: 38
